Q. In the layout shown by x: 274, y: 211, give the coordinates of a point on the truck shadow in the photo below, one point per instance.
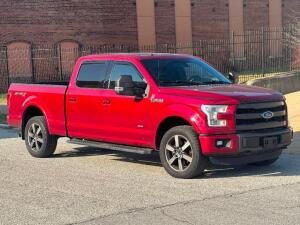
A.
x: 287, y: 165
x: 151, y: 160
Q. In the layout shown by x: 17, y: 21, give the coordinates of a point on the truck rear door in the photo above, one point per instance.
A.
x: 84, y: 101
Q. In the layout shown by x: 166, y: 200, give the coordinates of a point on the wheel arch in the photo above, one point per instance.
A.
x: 168, y: 123
x: 176, y: 115
x: 29, y: 112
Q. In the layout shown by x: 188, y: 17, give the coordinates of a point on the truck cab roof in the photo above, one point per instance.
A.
x: 139, y: 56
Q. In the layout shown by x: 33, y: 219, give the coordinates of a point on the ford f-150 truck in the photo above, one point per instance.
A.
x: 175, y: 104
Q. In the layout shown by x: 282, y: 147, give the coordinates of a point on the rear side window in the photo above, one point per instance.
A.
x: 124, y: 69
x: 92, y: 75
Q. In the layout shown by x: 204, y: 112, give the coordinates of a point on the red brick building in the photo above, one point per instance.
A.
x: 137, y: 21
x: 36, y: 36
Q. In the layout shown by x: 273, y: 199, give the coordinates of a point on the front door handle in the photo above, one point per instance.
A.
x: 106, y: 102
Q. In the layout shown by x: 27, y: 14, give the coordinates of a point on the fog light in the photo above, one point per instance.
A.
x: 223, y: 143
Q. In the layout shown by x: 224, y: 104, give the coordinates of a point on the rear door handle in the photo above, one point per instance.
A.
x: 106, y: 102
x: 72, y: 99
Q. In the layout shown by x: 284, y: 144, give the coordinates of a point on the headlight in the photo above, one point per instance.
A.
x: 212, y: 111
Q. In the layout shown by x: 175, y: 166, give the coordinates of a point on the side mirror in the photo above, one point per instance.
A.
x: 126, y: 86
x: 231, y: 77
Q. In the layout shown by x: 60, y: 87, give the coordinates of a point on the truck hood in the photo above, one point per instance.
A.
x: 240, y: 93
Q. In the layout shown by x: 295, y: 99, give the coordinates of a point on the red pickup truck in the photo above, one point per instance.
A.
x: 141, y: 103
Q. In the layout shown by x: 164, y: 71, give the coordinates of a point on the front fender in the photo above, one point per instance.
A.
x: 191, y: 115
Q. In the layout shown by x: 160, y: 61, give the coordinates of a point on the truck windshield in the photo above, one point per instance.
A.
x: 183, y: 72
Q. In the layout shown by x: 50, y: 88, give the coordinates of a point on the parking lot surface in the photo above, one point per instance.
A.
x: 83, y: 185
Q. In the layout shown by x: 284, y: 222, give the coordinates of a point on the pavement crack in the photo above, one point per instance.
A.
x: 239, y: 193
x: 163, y: 211
x: 133, y: 210
x: 290, y: 207
x: 163, y: 207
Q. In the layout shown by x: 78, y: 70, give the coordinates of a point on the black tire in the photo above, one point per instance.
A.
x: 192, y: 162
x: 264, y: 163
x: 39, y: 142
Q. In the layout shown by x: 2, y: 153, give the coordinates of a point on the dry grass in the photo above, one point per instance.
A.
x: 2, y: 98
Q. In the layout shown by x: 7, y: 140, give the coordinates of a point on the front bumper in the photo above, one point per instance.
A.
x: 246, y: 145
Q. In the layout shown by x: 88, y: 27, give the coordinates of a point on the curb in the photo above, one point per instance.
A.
x: 5, y: 126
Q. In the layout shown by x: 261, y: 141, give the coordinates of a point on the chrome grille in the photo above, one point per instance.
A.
x: 249, y: 116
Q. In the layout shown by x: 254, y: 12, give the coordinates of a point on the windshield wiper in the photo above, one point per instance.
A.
x: 215, y: 82
x: 186, y: 82
x: 183, y: 82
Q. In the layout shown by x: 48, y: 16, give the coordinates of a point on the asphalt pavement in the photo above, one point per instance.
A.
x: 82, y: 185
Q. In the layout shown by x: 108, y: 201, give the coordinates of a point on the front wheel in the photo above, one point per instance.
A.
x: 180, y: 153
x: 39, y: 142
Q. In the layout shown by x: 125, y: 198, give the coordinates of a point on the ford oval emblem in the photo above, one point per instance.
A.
x: 267, y: 115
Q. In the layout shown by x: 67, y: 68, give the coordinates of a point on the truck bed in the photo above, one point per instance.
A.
x: 49, y: 98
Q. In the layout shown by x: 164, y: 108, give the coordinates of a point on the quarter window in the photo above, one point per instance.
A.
x: 92, y: 75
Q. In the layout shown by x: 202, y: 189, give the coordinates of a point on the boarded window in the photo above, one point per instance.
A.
x: 68, y: 57
x: 19, y: 60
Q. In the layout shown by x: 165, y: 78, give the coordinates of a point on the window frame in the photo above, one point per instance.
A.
x: 107, y: 65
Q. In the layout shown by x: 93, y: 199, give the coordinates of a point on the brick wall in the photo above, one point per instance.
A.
x: 50, y: 21
x: 290, y: 10
x: 256, y: 14
x: 114, y: 21
x: 210, y: 19
x: 165, y: 21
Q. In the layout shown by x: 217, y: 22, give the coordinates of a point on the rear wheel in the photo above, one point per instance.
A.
x: 264, y: 163
x: 39, y: 142
x: 180, y: 153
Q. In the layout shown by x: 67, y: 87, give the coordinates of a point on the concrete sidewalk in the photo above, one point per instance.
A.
x: 293, y: 102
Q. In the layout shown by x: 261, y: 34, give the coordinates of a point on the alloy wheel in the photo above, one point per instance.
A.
x: 35, y: 137
x: 179, y: 153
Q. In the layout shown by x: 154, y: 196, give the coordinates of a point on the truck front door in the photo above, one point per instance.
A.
x: 127, y: 120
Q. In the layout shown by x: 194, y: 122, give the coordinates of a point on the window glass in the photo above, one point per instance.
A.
x: 124, y: 69
x: 92, y: 75
x: 183, y: 72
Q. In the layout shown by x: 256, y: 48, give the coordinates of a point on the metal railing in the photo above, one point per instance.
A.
x: 249, y: 54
